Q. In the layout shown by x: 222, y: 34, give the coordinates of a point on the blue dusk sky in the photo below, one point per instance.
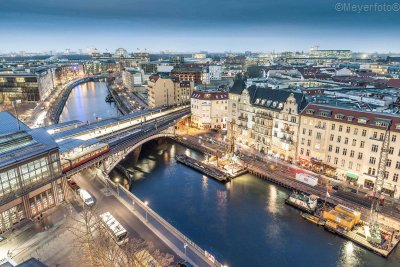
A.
x: 193, y: 25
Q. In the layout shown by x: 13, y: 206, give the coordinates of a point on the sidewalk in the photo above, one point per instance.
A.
x: 47, y: 240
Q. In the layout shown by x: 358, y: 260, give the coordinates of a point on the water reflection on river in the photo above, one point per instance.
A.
x: 243, y: 223
x: 87, y: 101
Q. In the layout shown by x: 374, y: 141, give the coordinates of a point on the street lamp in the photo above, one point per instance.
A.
x: 146, y: 203
x: 185, y: 246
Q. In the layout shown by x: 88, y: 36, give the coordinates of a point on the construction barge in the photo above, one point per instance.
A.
x: 347, y: 223
x: 221, y: 170
x: 203, y: 168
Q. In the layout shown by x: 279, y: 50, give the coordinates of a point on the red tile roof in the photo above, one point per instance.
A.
x: 394, y: 83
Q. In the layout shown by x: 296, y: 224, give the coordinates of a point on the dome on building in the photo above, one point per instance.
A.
x: 120, y: 52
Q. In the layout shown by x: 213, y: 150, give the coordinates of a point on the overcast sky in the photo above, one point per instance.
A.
x: 193, y: 25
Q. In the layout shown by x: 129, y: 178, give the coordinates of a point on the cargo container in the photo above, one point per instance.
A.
x: 339, y: 218
x: 355, y: 215
x: 307, y: 179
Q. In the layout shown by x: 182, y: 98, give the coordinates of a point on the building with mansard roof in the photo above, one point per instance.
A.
x: 266, y: 119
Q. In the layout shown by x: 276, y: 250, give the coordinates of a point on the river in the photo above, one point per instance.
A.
x: 87, y: 102
x: 243, y: 223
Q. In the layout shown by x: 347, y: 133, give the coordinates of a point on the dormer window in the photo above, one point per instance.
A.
x: 257, y: 101
x: 263, y: 102
x: 280, y: 105
x: 350, y: 118
x: 274, y: 104
x: 339, y: 116
x: 362, y: 120
x: 269, y: 103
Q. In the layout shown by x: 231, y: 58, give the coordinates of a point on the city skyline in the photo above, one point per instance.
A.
x: 193, y: 26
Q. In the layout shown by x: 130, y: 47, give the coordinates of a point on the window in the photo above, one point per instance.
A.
x: 372, y: 160
x: 381, y: 136
x: 398, y: 165
x: 393, y: 138
x: 333, y: 126
x: 362, y: 144
x: 328, y: 159
x: 340, y: 128
x: 308, y: 142
x: 364, y: 133
x: 352, y: 153
x: 331, y: 137
x: 358, y: 167
x: 371, y: 171
x: 339, y: 138
x: 302, y: 141
x: 330, y: 148
x: 355, y: 131
x: 344, y: 151
x: 374, y: 148
x: 385, y: 174
x: 335, y: 160
x: 342, y: 162
x: 348, y: 129
x: 319, y: 136
x: 354, y: 142
x: 391, y: 150
x: 360, y: 155
x: 309, y: 132
x: 395, y: 177
x: 337, y: 150
x: 302, y: 151
x: 388, y: 163
x: 346, y: 140
x: 304, y: 130
x: 350, y: 165
x: 375, y: 135
x: 308, y: 153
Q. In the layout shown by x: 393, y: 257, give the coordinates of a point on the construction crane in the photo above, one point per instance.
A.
x: 377, y: 198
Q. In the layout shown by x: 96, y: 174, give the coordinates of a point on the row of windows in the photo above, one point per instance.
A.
x: 30, y: 174
x: 371, y: 170
x: 340, y: 128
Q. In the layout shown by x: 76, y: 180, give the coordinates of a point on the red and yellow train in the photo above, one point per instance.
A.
x: 70, y: 162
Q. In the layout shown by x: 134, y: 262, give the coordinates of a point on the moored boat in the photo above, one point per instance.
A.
x: 307, y: 203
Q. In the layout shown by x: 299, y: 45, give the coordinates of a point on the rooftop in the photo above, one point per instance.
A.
x: 19, y: 142
x: 210, y: 95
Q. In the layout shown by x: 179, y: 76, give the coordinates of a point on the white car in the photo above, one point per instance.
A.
x: 86, y: 197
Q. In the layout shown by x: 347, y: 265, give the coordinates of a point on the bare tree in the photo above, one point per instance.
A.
x: 100, y: 249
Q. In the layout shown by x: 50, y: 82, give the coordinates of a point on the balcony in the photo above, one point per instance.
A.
x: 240, y: 118
x: 287, y: 131
x: 287, y: 140
x: 322, y: 127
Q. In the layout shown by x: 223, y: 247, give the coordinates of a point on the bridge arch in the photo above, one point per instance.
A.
x: 112, y: 161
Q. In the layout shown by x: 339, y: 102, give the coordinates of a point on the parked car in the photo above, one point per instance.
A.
x: 184, y: 263
x: 74, y: 186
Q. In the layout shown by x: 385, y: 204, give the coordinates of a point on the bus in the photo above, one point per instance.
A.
x: 116, y: 230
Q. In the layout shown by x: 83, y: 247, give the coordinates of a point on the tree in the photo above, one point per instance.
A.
x: 100, y: 249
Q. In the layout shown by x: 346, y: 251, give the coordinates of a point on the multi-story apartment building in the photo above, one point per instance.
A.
x: 168, y: 90
x: 266, y: 119
x: 198, y: 75
x: 27, y: 86
x: 209, y: 110
x: 132, y: 77
x: 30, y: 172
x: 346, y: 143
x: 215, y: 72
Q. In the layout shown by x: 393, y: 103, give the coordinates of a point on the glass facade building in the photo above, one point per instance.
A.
x: 31, y: 180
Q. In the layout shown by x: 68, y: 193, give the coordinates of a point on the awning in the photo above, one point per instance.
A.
x: 352, y: 175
